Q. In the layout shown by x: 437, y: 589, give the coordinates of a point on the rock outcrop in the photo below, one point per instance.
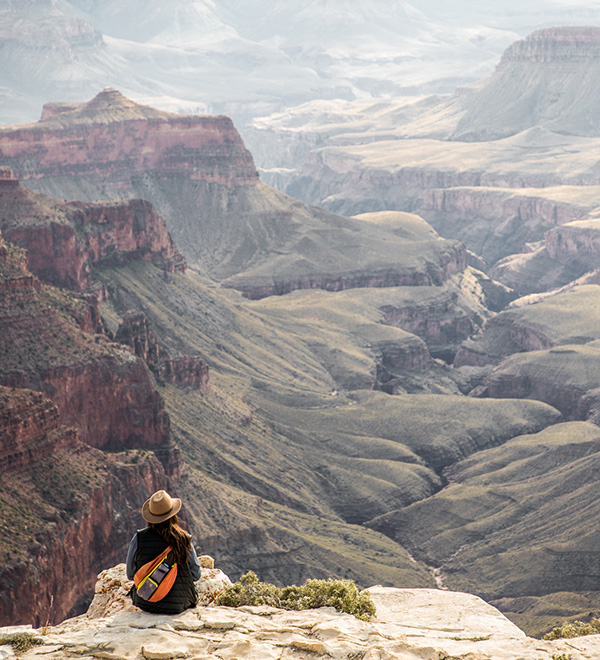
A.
x: 206, y: 148
x: 570, y: 316
x: 566, y: 254
x: 65, y: 240
x: 410, y: 624
x: 184, y: 370
x: 66, y: 508
x: 135, y: 332
x: 111, y: 593
x: 497, y: 222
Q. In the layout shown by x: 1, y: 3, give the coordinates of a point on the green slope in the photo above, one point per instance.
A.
x: 281, y: 458
x: 516, y: 524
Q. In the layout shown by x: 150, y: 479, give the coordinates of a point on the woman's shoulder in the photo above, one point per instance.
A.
x: 147, y: 533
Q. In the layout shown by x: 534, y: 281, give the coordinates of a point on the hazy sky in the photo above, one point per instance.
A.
x: 248, y: 57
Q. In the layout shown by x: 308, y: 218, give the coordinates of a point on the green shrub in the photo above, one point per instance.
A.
x: 574, y: 629
x: 343, y: 595
x: 20, y: 641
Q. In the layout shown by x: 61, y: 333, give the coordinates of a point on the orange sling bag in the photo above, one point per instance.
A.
x: 154, y: 580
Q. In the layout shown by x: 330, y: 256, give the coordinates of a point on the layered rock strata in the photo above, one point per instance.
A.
x: 566, y: 254
x: 66, y: 509
x: 567, y: 317
x: 67, y: 506
x: 98, y: 386
x: 206, y: 148
x: 561, y: 376
x: 203, y: 181
x: 493, y: 222
x: 184, y: 370
x: 65, y: 240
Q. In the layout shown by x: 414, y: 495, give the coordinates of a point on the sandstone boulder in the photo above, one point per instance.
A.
x: 112, y: 589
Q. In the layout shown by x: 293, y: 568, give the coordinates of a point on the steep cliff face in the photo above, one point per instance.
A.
x: 66, y: 508
x: 203, y: 181
x: 98, y: 386
x: 548, y: 79
x: 136, y: 333
x: 495, y: 223
x: 185, y: 370
x: 113, y: 128
x: 194, y: 169
x: 30, y: 429
x: 556, y: 44
x: 66, y: 505
x: 567, y: 253
x: 65, y: 240
x: 579, y: 241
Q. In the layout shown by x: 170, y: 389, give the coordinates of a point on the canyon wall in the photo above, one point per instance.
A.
x: 68, y: 509
x: 567, y: 254
x: 66, y: 240
x: 205, y: 148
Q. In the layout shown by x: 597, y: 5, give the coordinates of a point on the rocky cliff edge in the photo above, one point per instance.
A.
x: 410, y: 624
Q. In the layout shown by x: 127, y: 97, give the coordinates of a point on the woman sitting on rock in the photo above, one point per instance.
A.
x: 160, y: 512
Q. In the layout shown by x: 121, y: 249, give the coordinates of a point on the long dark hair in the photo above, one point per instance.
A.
x: 174, y: 536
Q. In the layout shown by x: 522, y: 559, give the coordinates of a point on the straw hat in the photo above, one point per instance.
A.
x: 161, y: 506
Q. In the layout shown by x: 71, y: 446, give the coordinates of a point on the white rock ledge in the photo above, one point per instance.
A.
x: 411, y: 624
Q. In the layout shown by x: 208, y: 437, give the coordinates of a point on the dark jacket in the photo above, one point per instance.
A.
x: 183, y: 592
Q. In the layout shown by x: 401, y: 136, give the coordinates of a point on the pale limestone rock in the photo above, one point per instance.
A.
x: 206, y: 561
x: 112, y: 589
x: 210, y: 585
x: 411, y: 624
x: 111, y: 593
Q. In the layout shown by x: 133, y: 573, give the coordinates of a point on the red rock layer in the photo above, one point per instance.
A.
x: 65, y: 240
x: 114, y: 129
x: 186, y: 371
x: 70, y: 510
x: 112, y: 401
x: 135, y: 333
x: 29, y: 429
x: 98, y: 386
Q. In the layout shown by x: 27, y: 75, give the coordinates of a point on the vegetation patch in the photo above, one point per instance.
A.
x: 343, y: 595
x: 574, y: 629
x: 21, y: 642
